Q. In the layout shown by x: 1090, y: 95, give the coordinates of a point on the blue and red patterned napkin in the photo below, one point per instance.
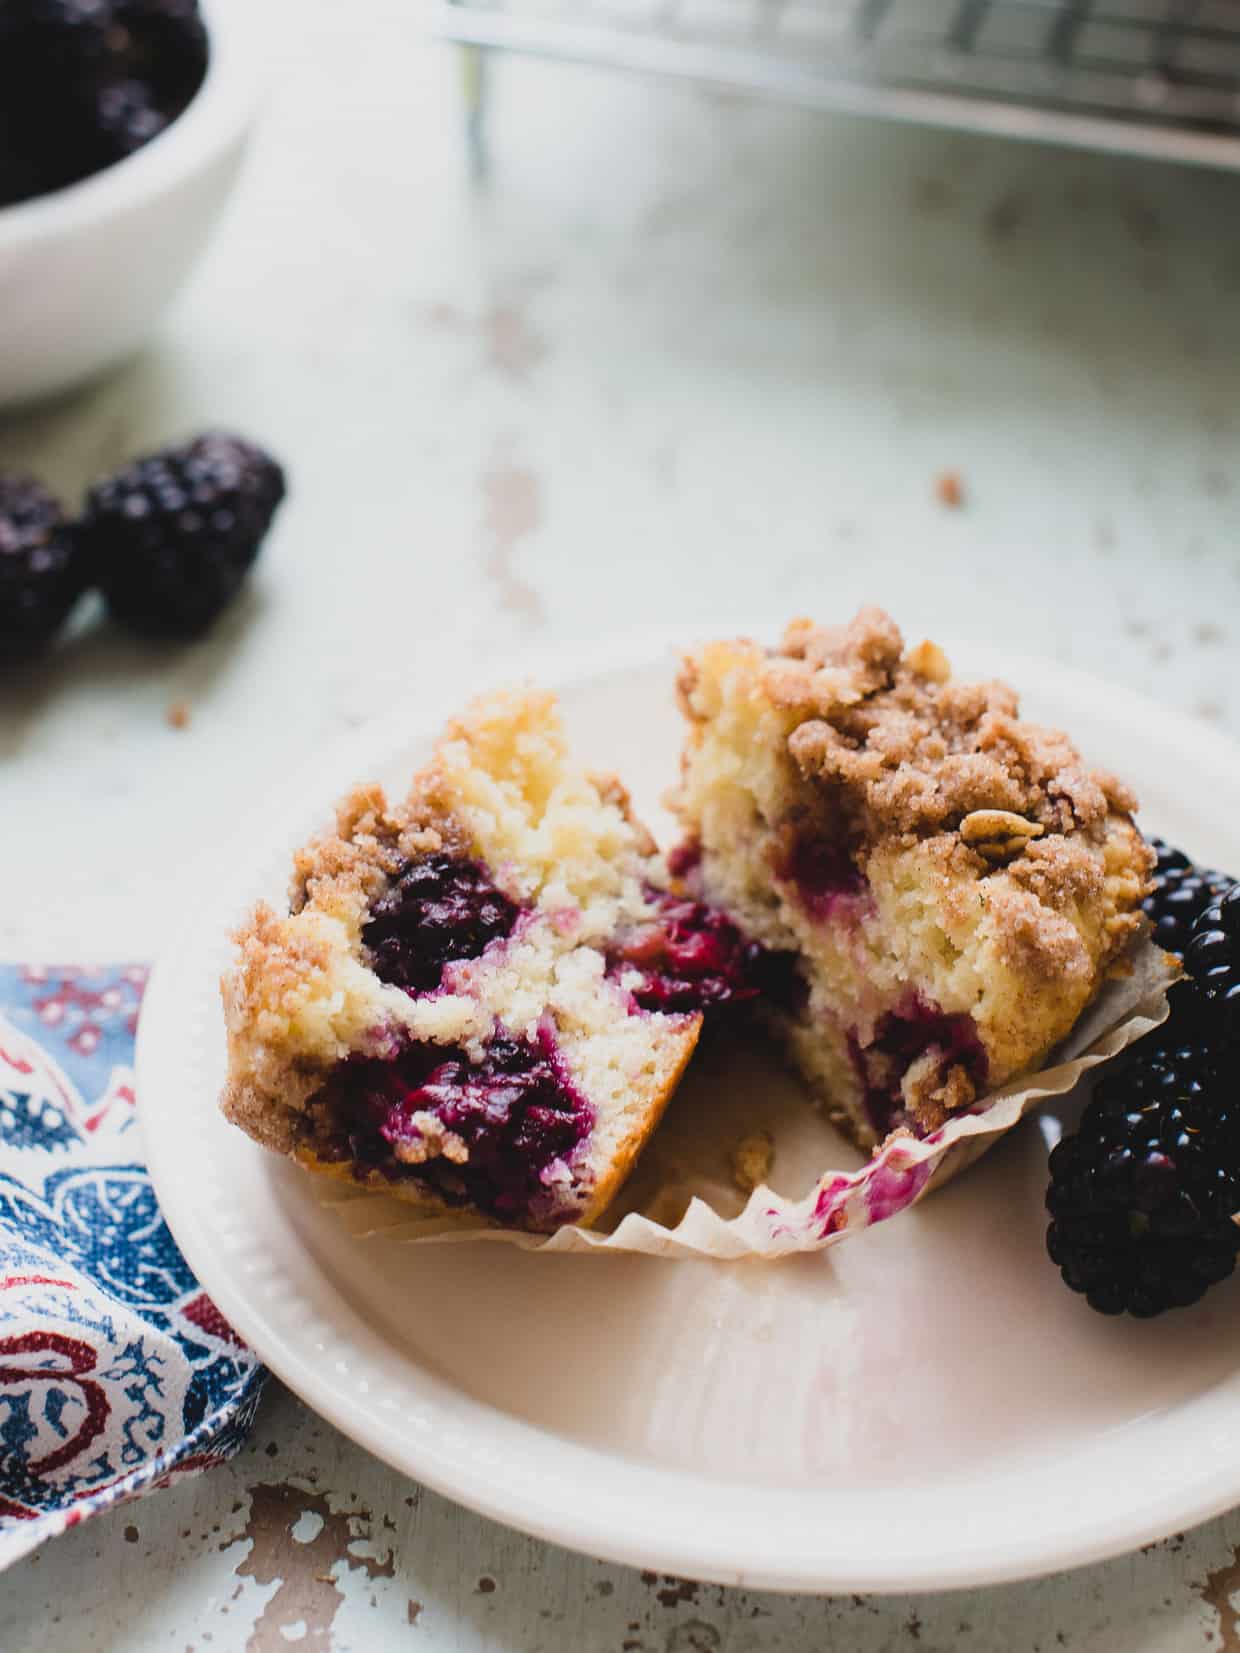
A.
x: 117, y: 1372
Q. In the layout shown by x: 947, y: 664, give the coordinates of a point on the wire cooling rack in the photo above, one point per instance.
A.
x: 1153, y: 77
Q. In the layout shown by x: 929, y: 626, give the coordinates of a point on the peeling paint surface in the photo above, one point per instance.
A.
x: 512, y: 510
x: 336, y: 1555
x: 296, y: 1540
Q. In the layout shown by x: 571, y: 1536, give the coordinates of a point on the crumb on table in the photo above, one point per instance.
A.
x: 950, y: 489
x: 178, y: 714
x: 752, y: 1158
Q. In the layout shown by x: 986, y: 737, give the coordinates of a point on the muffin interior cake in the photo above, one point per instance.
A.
x: 480, y: 999
x: 953, y: 883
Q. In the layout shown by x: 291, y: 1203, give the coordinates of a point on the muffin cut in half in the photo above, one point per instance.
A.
x: 481, y: 999
x: 953, y: 883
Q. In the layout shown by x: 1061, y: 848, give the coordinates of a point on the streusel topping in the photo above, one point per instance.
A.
x: 906, y: 751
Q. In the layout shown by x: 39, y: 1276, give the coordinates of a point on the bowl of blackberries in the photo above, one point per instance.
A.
x: 122, y: 126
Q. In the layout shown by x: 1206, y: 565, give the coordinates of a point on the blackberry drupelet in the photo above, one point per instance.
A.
x: 170, y: 538
x: 1142, y: 1194
x: 1180, y: 891
x: 125, y: 118
x: 41, y: 573
x: 1213, y: 964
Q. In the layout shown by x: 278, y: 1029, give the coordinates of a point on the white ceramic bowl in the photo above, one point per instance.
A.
x: 87, y: 272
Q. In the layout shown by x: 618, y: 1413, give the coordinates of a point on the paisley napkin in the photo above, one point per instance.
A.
x: 117, y: 1372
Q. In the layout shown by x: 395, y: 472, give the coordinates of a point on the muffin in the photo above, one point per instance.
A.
x: 951, y: 883
x: 480, y: 1000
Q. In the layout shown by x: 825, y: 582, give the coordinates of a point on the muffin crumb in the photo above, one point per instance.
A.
x: 752, y: 1158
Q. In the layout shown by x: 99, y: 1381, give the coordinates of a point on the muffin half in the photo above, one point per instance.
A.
x: 450, y: 1010
x: 953, y: 883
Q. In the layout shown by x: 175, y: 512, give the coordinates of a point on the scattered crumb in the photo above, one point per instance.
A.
x: 178, y: 714
x: 933, y: 195
x: 751, y: 1160
x: 949, y: 489
x: 1004, y: 217
x: 486, y: 1586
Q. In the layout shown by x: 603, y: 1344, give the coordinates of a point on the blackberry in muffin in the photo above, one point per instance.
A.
x: 953, y: 883
x: 481, y: 999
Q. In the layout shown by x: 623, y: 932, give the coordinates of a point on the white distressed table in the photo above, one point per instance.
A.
x: 679, y: 355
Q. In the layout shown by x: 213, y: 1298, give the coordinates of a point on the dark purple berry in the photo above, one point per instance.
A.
x: 690, y: 957
x: 44, y: 43
x: 516, y: 1111
x: 1180, y: 891
x: 167, y: 46
x: 52, y: 56
x: 19, y: 175
x: 1142, y: 1195
x: 437, y: 910
x: 41, y: 567
x: 1213, y: 964
x: 125, y: 120
x: 85, y: 83
x: 171, y: 538
x: 916, y: 1029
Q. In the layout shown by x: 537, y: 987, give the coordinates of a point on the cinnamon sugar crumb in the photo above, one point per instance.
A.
x: 949, y: 489
x: 903, y: 751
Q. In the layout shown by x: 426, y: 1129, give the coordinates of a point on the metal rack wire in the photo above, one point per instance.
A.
x: 1155, y: 77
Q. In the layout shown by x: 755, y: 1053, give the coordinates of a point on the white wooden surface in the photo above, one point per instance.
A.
x: 680, y: 355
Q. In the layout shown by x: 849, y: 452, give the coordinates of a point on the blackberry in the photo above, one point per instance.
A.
x: 437, y: 910
x: 690, y: 957
x: 53, y: 54
x: 19, y: 178
x: 40, y: 567
x: 168, y: 47
x: 1213, y: 964
x: 1142, y: 1194
x: 516, y: 1109
x: 43, y: 43
x: 171, y: 537
x: 1180, y: 892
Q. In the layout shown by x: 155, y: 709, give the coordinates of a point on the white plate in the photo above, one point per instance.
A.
x: 923, y: 1407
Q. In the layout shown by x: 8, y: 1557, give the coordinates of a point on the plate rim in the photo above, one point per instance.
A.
x: 601, y: 1529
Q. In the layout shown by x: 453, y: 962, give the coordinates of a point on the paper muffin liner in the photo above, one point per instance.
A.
x: 683, y: 1198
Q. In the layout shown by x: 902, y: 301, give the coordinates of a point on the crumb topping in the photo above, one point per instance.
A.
x: 907, y: 751
x: 900, y: 830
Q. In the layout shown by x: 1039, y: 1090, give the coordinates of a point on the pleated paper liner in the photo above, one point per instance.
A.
x: 683, y: 1199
